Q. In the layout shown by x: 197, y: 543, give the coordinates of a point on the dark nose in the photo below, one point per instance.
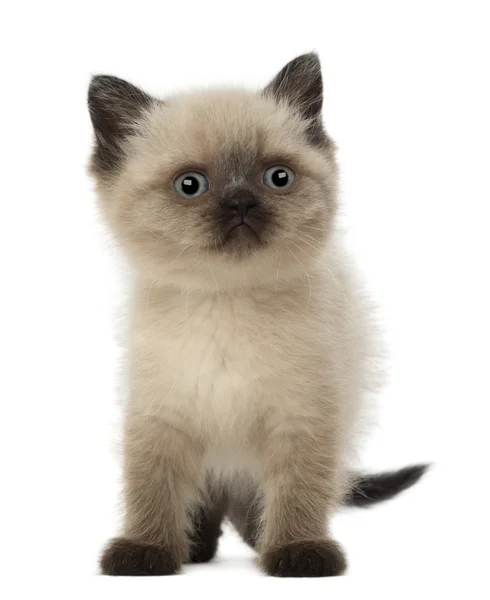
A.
x: 241, y: 204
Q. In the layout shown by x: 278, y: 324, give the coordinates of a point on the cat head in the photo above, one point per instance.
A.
x: 221, y: 188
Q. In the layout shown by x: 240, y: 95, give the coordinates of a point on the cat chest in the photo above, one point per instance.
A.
x: 221, y: 366
x: 215, y: 350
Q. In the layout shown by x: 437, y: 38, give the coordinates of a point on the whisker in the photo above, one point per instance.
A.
x: 318, y: 249
x: 304, y: 268
x: 324, y: 229
x: 323, y: 263
x: 277, y: 274
x: 178, y: 256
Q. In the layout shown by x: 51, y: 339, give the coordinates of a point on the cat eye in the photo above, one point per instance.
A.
x: 278, y: 177
x: 191, y: 184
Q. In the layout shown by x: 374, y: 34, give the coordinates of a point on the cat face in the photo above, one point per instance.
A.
x: 227, y: 181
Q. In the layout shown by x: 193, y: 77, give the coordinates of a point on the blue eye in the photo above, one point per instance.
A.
x: 278, y: 177
x: 191, y: 184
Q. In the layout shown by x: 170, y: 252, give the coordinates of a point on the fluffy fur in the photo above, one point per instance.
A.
x: 251, y: 347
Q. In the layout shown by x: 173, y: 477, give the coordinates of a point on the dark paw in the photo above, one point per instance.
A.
x: 305, y: 559
x: 125, y: 557
x: 205, y: 536
x: 203, y: 550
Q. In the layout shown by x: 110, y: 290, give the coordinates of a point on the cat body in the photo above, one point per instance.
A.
x: 251, y: 345
x: 225, y: 364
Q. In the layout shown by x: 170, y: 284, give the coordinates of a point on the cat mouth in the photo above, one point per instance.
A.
x: 241, y: 235
x: 242, y: 229
x: 241, y: 239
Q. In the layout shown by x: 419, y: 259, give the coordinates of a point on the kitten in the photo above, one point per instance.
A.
x: 250, y: 345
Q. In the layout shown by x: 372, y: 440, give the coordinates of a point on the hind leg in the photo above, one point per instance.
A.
x: 245, y: 511
x: 206, y: 523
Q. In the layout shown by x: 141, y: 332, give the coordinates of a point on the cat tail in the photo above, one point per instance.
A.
x: 366, y: 490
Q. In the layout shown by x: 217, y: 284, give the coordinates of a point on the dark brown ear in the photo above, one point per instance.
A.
x: 115, y: 107
x: 300, y: 85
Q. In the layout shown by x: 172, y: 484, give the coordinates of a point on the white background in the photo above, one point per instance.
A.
x: 407, y: 100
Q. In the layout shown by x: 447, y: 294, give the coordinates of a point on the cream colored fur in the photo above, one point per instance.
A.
x: 249, y: 370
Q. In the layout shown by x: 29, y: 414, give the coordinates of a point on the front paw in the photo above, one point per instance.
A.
x: 323, y: 558
x: 125, y: 557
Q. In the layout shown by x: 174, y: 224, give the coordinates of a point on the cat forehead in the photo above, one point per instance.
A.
x: 208, y: 124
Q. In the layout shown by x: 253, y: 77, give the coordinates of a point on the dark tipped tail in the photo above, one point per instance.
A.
x: 370, y: 489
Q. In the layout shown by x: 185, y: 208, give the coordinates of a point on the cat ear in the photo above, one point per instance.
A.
x: 115, y: 106
x: 300, y: 84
